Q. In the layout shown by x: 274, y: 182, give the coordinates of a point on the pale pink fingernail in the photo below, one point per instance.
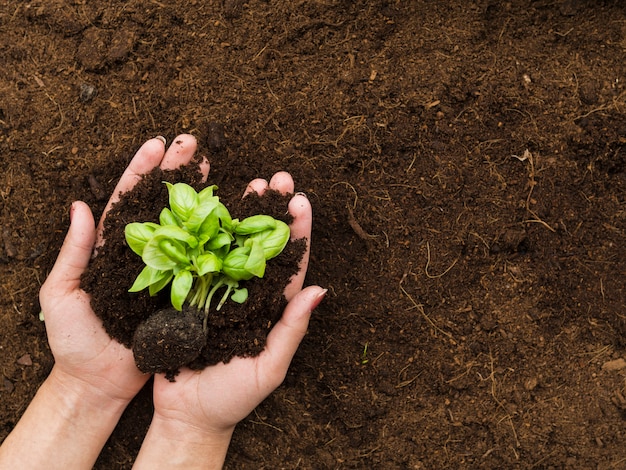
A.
x: 318, y: 299
x: 162, y: 139
x: 301, y: 194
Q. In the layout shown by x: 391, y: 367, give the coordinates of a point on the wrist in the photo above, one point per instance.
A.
x: 65, y: 426
x: 176, y: 444
x: 73, y: 393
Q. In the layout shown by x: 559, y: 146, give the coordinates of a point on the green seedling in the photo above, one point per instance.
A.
x: 364, y: 358
x: 197, y: 248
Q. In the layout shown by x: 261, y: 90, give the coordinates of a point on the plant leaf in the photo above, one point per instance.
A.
x: 240, y: 295
x: 255, y: 263
x: 175, y: 251
x: 226, y: 220
x: 166, y: 217
x: 209, y: 227
x: 222, y: 239
x: 235, y: 262
x: 147, y: 277
x: 273, y: 241
x: 181, y: 285
x: 183, y: 200
x: 137, y: 235
x: 208, y: 263
x: 254, y: 224
x: 159, y: 285
x: 174, y: 232
x: 154, y: 256
x: 201, y: 214
x: 206, y: 193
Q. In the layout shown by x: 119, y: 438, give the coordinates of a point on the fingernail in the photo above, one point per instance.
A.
x: 72, y: 208
x: 162, y: 139
x: 301, y: 194
x: 318, y: 299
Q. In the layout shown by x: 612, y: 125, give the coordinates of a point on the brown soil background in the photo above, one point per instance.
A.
x: 466, y: 163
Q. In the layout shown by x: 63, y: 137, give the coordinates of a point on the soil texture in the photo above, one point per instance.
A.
x: 466, y: 163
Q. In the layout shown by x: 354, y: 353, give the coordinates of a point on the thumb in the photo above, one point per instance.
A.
x: 285, y: 337
x: 75, y: 252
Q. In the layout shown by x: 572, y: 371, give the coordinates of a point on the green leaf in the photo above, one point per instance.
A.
x: 208, y: 263
x: 245, y: 262
x: 209, y: 227
x: 147, y: 277
x: 240, y: 295
x: 166, y: 217
x: 181, y: 285
x: 201, y: 214
x: 206, y: 193
x: 174, y: 232
x: 226, y: 220
x: 273, y: 241
x: 255, y: 224
x: 159, y: 285
x: 183, y: 200
x: 222, y: 239
x: 156, y: 258
x: 234, y: 265
x: 137, y: 235
x: 175, y: 251
x: 256, y: 259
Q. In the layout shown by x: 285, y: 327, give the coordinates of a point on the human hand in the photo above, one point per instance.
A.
x: 94, y: 377
x: 194, y: 416
x: 86, y: 358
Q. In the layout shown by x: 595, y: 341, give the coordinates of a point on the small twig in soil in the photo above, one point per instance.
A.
x: 263, y: 423
x: 356, y: 226
x: 507, y: 415
x: 351, y: 219
x: 345, y: 183
x: 420, y: 308
x: 431, y: 276
x: 528, y: 156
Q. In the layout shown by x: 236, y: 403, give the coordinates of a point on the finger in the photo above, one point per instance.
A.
x: 282, y: 182
x: 285, y: 337
x: 302, y: 213
x: 258, y: 186
x: 205, y: 167
x: 149, y: 156
x: 75, y: 252
x: 180, y: 153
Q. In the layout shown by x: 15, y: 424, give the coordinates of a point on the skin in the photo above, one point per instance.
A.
x: 94, y: 377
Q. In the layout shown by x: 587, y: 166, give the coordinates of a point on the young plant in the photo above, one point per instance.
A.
x: 199, y: 248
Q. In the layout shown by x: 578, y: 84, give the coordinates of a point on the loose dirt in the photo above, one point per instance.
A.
x: 466, y: 162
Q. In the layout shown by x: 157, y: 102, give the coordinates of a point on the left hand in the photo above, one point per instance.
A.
x: 86, y: 358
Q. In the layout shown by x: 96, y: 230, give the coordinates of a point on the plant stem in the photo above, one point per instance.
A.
x: 207, y: 303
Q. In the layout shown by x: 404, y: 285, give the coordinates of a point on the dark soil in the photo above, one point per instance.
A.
x: 466, y: 162
x: 236, y: 330
x: 168, y: 340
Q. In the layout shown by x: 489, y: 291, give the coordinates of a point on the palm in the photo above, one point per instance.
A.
x: 83, y: 350
x: 220, y: 396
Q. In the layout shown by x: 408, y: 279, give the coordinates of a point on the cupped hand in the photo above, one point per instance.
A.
x: 214, y: 400
x: 86, y: 358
